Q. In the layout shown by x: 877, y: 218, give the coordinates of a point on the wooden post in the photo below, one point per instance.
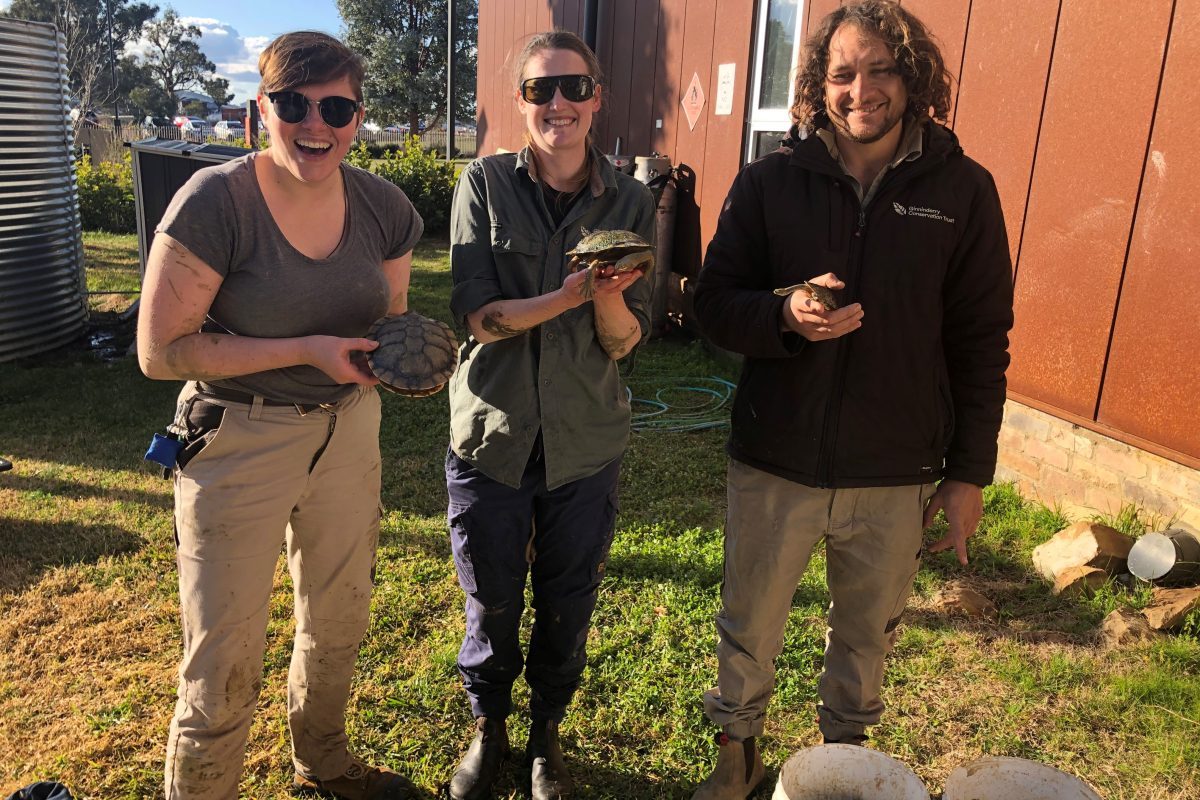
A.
x: 252, y: 124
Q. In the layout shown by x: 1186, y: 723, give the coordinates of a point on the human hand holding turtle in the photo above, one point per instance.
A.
x: 341, y: 358
x: 608, y: 262
x: 813, y: 312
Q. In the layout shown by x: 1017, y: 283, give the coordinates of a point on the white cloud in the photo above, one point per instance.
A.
x: 235, y: 56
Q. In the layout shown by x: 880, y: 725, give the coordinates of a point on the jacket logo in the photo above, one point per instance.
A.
x: 922, y: 211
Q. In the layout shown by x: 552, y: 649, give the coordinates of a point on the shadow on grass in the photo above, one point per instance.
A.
x: 79, y: 491
x: 594, y: 779
x: 30, y: 548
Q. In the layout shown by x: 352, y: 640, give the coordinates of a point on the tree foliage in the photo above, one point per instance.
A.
x: 173, y: 55
x: 218, y: 90
x: 404, y: 45
x: 85, y: 25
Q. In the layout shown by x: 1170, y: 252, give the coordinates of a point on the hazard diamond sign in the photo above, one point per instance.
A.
x: 693, y: 101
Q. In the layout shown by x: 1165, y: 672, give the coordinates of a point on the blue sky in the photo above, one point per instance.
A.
x: 235, y: 31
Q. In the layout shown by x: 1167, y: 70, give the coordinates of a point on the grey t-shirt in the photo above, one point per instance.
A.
x: 270, y: 289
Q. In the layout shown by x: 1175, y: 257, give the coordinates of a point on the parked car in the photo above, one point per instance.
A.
x: 229, y: 129
x: 196, y: 127
x: 152, y: 123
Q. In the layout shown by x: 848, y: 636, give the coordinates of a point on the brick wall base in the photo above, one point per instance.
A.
x: 1085, y: 473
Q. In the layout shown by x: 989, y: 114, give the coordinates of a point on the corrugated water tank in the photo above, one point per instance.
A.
x: 42, y: 290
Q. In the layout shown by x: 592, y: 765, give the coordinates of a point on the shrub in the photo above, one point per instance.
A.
x: 106, y: 195
x: 425, y: 178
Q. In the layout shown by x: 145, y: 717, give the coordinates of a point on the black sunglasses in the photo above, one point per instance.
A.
x: 575, y: 88
x: 292, y: 107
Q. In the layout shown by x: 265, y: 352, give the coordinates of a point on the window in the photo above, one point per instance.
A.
x: 777, y: 47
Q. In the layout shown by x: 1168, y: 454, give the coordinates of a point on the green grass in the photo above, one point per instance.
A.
x: 113, y: 270
x: 89, y: 633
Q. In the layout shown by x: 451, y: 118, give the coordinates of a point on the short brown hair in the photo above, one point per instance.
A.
x: 557, y: 40
x: 926, y: 79
x: 304, y: 57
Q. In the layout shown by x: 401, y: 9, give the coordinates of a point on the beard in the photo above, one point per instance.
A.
x: 870, y: 135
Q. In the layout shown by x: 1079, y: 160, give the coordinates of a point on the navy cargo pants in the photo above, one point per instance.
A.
x: 500, y: 535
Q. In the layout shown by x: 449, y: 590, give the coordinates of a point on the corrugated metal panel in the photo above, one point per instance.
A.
x: 41, y: 252
x: 1001, y: 94
x: 1152, y: 386
x: 947, y: 21
x: 731, y: 45
x: 1085, y: 183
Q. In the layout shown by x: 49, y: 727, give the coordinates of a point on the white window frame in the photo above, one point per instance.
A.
x: 769, y: 119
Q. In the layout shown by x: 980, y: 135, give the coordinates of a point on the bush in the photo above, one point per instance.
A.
x: 425, y: 178
x: 106, y: 195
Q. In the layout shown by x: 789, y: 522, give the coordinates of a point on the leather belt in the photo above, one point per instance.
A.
x: 234, y: 396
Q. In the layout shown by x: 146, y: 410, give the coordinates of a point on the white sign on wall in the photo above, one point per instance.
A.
x: 725, y: 76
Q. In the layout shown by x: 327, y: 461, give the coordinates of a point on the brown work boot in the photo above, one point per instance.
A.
x: 478, y: 769
x: 359, y: 782
x: 548, y: 776
x: 739, y: 771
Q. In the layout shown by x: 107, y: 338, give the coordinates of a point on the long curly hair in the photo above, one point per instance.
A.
x: 925, y: 76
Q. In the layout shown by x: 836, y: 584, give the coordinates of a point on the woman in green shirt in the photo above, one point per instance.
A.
x: 539, y: 417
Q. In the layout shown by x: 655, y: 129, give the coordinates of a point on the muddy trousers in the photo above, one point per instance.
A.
x: 872, y: 547
x: 271, y: 478
x: 560, y: 538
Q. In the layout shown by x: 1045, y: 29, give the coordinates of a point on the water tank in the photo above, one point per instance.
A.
x: 42, y: 291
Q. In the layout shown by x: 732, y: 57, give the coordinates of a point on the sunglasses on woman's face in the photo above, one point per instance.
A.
x: 575, y: 88
x: 292, y: 107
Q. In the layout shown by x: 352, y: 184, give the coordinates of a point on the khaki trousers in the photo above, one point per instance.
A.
x: 258, y: 486
x: 872, y: 538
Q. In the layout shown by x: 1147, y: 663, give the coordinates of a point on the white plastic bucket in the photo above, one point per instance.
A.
x: 1003, y: 778
x: 846, y: 772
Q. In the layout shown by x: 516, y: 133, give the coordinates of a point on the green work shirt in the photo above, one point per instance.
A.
x: 556, y: 377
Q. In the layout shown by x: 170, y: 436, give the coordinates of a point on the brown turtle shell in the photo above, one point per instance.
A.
x: 822, y: 294
x: 416, y: 354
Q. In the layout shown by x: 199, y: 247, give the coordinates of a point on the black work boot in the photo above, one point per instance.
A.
x: 549, y: 779
x: 479, y: 767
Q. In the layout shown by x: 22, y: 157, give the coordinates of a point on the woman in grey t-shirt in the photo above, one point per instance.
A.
x: 263, y: 277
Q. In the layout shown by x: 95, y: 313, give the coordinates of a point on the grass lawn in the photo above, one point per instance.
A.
x: 89, y: 635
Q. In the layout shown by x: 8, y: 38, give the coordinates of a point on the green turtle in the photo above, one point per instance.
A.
x: 416, y: 354
x: 822, y: 294
x: 613, y: 251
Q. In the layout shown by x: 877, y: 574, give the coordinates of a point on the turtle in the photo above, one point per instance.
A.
x: 618, y: 251
x: 822, y: 294
x: 416, y: 354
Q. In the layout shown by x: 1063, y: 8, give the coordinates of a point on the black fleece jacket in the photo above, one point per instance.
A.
x: 916, y: 393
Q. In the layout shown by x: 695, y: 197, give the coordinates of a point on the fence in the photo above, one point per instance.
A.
x: 103, y: 144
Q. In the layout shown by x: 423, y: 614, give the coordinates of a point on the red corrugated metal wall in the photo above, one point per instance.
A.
x: 1079, y: 108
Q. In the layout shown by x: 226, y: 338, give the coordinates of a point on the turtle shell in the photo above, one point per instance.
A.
x: 416, y: 354
x: 608, y: 245
x: 816, y: 291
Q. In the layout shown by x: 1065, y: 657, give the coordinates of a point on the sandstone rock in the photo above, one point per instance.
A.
x: 1123, y: 627
x: 1084, y: 544
x: 1168, y: 607
x: 958, y: 597
x: 1079, y: 580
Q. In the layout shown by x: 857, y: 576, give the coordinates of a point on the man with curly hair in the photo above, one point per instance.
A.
x: 863, y: 271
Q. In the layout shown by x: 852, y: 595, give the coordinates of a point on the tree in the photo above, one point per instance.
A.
x: 404, y: 45
x: 85, y: 28
x: 218, y: 90
x: 173, y: 56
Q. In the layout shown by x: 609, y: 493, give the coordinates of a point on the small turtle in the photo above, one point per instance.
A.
x: 416, y: 354
x: 613, y: 251
x: 822, y: 294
